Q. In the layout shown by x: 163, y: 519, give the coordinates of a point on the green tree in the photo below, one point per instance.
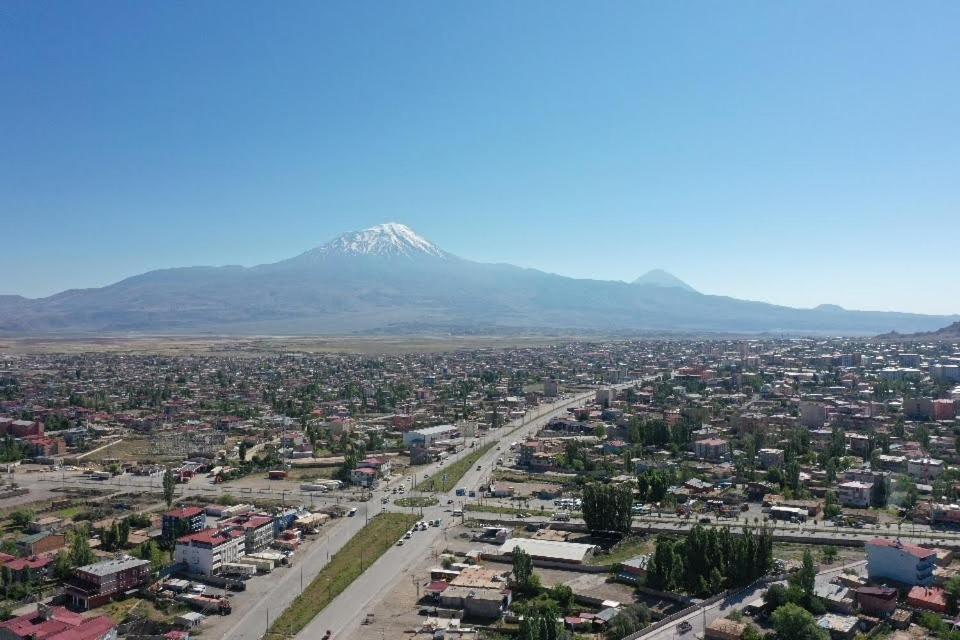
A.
x: 880, y: 494
x: 80, y: 552
x: 792, y: 622
x: 525, y: 580
x: 608, y: 507
x: 242, y: 451
x: 21, y: 518
x: 168, y: 487
x: 952, y: 593
x: 541, y: 622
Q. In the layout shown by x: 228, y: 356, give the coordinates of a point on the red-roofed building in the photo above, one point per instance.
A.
x: 364, y: 477
x: 178, y: 522
x: 904, y: 563
x: 29, y: 569
x: 379, y: 464
x: 928, y: 598
x: 257, y: 531
x: 57, y: 623
x: 45, y: 446
x: 206, y: 551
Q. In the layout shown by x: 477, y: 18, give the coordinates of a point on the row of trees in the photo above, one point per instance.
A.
x: 710, y: 560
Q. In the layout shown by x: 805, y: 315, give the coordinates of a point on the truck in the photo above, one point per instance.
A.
x: 206, y: 604
x: 238, y: 569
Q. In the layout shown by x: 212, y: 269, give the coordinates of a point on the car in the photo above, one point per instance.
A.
x: 704, y: 520
x: 199, y: 589
x: 408, y: 534
x: 400, y: 542
x: 352, y: 512
x: 450, y: 501
x: 684, y: 627
x: 384, y: 500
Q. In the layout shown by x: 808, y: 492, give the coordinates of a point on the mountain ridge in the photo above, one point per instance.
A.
x: 389, y: 276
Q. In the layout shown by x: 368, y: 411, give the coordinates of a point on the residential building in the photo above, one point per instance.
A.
x: 364, y: 477
x: 944, y: 409
x: 711, y: 449
x: 855, y: 494
x: 57, y: 623
x: 206, y: 551
x: 925, y: 468
x: 179, y: 522
x: 37, y: 543
x: 928, y: 598
x: 812, y: 414
x: 879, y: 602
x: 904, y: 563
x: 379, y: 464
x: 840, y: 627
x: 770, y: 458
x: 95, y: 584
x: 258, y: 532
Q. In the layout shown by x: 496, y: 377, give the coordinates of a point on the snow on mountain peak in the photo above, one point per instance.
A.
x: 388, y: 239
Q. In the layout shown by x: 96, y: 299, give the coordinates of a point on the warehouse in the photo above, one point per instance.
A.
x: 550, y: 550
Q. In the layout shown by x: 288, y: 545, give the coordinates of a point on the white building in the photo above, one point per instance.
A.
x: 206, y: 551
x: 855, y: 494
x: 428, y: 435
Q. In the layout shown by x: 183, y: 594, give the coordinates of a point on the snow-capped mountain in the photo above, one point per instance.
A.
x: 389, y: 279
x: 390, y: 239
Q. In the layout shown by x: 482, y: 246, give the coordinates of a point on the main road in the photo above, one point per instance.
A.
x: 343, y: 615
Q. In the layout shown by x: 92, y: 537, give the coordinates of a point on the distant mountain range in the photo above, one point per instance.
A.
x: 951, y: 332
x: 388, y: 279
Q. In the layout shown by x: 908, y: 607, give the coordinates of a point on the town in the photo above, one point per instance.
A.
x: 627, y: 489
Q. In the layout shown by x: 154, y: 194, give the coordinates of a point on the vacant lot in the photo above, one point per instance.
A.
x: 361, y: 552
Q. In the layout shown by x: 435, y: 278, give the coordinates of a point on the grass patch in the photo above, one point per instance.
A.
x: 509, y: 511
x: 454, y: 472
x: 416, y: 501
x: 370, y: 543
x: 626, y: 549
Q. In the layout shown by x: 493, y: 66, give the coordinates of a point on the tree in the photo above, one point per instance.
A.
x: 829, y: 554
x: 563, y: 596
x: 831, y: 506
x: 523, y: 577
x: 792, y: 622
x: 242, y: 451
x: 21, y: 517
x: 80, y: 552
x: 168, y: 487
x: 630, y: 619
x: 541, y: 622
x: 806, y: 577
x: 952, y: 593
x: 607, y: 507
x: 880, y: 493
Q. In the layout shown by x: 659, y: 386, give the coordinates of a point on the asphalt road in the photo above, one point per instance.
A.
x: 344, y: 614
x: 704, y: 616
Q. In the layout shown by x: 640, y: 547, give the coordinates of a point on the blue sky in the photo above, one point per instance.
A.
x: 798, y: 153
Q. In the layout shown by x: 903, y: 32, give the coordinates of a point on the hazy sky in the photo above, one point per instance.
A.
x: 794, y: 152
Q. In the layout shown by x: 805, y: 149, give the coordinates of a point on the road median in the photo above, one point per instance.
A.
x: 381, y: 533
